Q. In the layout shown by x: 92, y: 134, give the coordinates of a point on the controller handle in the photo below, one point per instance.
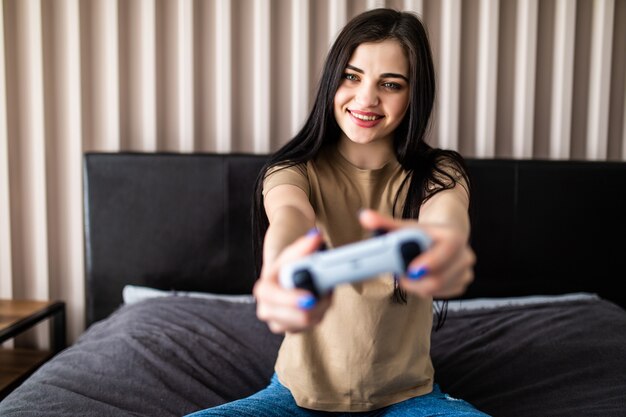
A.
x: 409, y: 251
x: 303, y: 279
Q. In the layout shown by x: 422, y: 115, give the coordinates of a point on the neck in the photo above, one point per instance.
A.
x: 373, y: 155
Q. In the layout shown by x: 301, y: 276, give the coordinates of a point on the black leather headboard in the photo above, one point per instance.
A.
x: 549, y: 227
x: 182, y: 221
x: 167, y: 221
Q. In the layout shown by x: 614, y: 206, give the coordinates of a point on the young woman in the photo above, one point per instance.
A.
x: 360, y: 163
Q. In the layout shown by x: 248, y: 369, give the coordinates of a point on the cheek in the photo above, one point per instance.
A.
x: 340, y: 98
x: 339, y: 102
x: 336, y: 109
x: 400, y: 108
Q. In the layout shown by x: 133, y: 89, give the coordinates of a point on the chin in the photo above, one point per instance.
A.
x: 361, y: 141
x: 361, y: 137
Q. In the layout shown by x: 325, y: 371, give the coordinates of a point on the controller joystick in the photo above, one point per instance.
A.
x: 303, y: 279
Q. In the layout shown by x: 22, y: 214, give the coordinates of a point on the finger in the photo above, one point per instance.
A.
x: 463, y: 283
x: 269, y: 291
x: 282, y: 318
x: 423, y: 288
x: 288, y: 318
x: 373, y: 220
x: 438, y: 285
x: 446, y: 250
x: 449, y: 283
x: 457, y: 287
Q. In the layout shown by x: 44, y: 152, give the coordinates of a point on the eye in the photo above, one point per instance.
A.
x: 392, y: 86
x: 350, y: 77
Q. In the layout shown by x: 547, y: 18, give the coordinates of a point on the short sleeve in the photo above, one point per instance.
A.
x: 292, y: 175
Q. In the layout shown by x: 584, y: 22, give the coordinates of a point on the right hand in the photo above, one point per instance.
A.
x: 282, y: 308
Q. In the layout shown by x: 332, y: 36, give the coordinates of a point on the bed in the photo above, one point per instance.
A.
x: 172, y: 325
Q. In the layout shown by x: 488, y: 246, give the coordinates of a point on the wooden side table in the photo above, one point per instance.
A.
x: 17, y: 316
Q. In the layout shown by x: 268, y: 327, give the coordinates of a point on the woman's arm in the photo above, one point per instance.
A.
x: 290, y: 216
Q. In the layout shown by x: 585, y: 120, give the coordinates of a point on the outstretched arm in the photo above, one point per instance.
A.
x: 290, y: 216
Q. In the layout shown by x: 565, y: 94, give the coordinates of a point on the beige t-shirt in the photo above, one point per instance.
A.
x: 367, y: 352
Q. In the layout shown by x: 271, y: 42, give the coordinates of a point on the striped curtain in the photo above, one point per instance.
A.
x: 517, y: 79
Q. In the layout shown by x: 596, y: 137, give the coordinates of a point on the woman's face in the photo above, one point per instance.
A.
x: 374, y: 93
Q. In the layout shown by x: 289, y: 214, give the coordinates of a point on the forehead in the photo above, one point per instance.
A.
x: 387, y: 56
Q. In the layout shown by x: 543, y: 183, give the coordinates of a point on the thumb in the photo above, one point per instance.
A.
x: 372, y: 220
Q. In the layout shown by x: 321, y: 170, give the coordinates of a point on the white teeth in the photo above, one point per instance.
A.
x: 363, y: 117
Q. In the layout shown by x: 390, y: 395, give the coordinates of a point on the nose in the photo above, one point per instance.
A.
x: 367, y: 95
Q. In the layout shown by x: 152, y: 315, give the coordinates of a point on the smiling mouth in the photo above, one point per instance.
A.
x: 365, y: 117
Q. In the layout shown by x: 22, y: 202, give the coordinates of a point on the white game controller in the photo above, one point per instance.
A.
x: 320, y: 272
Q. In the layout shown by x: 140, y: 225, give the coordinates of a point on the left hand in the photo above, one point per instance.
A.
x: 447, y: 267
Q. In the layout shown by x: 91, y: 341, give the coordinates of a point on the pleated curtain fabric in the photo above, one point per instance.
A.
x: 517, y: 79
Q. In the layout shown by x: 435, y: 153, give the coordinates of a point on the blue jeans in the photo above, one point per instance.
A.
x: 277, y: 401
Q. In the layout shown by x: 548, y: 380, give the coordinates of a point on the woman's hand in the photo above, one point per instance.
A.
x: 289, y: 310
x: 443, y: 271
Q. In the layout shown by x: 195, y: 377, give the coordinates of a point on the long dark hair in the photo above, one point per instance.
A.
x: 431, y: 170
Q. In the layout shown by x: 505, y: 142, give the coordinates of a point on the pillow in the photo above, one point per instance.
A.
x: 134, y: 293
x: 550, y: 359
x: 522, y: 301
x: 165, y: 357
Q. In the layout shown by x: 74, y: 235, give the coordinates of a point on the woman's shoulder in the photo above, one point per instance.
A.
x: 289, y: 175
x: 448, y: 168
x: 446, y: 161
x: 315, y: 170
x: 286, y: 173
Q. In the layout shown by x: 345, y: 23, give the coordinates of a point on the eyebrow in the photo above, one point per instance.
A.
x: 383, y: 75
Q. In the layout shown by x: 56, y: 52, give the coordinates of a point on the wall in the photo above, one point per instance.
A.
x: 519, y: 79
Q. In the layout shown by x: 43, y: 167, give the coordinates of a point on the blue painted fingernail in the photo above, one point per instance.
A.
x: 307, y: 302
x: 417, y: 273
x: 313, y: 232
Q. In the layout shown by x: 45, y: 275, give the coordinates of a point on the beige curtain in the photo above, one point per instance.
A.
x: 519, y: 79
